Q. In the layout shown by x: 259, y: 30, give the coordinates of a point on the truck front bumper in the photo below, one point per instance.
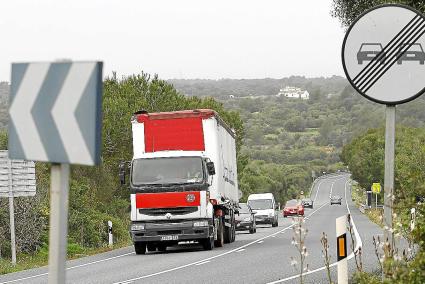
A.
x: 172, y: 231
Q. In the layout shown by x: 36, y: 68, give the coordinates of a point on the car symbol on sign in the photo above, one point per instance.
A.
x: 368, y: 51
x: 414, y: 53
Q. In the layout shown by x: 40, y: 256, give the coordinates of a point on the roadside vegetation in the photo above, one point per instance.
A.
x: 365, y: 158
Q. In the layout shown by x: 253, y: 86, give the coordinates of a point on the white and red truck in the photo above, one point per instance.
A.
x: 183, y: 180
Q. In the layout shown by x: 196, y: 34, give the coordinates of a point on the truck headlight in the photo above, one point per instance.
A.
x: 137, y: 227
x: 200, y: 223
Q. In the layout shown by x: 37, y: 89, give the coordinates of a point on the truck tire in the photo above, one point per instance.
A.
x: 151, y: 247
x: 208, y: 243
x: 220, y: 234
x: 233, y: 231
x: 229, y: 232
x: 251, y: 230
x: 140, y: 248
x: 275, y: 223
x: 162, y: 248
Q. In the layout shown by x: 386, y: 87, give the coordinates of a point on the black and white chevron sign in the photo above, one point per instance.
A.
x: 383, y: 54
x: 55, y: 112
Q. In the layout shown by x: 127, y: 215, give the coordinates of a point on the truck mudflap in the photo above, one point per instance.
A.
x: 173, y: 231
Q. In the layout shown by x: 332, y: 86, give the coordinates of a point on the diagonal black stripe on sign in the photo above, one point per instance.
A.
x: 391, y: 54
x: 88, y: 116
x: 41, y: 111
x: 395, y: 41
x: 15, y: 146
x: 395, y: 60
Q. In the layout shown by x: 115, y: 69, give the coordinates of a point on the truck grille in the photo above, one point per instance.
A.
x: 163, y: 211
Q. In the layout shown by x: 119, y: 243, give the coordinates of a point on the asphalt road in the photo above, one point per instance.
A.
x: 263, y: 257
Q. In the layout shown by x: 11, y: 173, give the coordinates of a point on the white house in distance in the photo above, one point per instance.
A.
x: 293, y: 92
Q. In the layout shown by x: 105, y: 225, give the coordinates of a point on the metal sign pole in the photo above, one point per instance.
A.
x: 341, y: 236
x: 12, y: 215
x: 389, y: 173
x: 58, y: 222
x: 376, y: 200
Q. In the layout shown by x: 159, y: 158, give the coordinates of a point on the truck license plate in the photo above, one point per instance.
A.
x: 170, y: 238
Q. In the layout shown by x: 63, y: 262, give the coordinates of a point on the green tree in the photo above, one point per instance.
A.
x: 348, y: 10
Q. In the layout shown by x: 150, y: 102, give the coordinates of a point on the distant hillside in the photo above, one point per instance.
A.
x: 257, y: 87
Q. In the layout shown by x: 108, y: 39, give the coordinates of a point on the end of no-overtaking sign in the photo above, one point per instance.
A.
x: 383, y: 54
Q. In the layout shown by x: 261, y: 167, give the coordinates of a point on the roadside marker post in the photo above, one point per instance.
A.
x: 412, y: 218
x: 383, y: 59
x: 55, y: 116
x: 341, y: 249
x: 110, y: 236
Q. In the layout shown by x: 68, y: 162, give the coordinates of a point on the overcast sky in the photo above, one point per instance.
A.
x: 176, y: 38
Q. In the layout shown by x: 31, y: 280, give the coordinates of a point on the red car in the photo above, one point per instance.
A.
x: 292, y: 209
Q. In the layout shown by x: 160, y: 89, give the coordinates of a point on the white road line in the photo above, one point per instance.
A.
x: 358, y: 245
x: 216, y: 256
x: 241, y: 250
x: 69, y: 268
x: 203, y: 262
x: 260, y: 242
x: 317, y: 191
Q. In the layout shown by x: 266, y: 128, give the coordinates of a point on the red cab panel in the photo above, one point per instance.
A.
x: 168, y: 199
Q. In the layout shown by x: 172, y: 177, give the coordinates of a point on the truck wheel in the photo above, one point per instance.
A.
x: 140, y: 248
x: 208, y: 243
x: 151, y: 247
x: 220, y: 234
x: 233, y: 232
x: 227, y: 234
x: 251, y: 230
x: 162, y: 248
x: 275, y: 224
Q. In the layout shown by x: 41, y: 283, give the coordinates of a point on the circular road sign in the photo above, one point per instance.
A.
x: 383, y: 54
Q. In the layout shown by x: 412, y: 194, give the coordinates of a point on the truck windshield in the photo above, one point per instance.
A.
x: 260, y: 204
x: 167, y: 170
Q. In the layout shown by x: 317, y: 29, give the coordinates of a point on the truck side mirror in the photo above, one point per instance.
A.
x: 122, y: 172
x: 211, y: 168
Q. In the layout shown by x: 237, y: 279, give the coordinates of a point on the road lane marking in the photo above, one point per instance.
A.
x: 216, y: 256
x: 69, y: 268
x: 241, y: 250
x: 358, y: 245
x: 201, y: 263
x: 161, y: 272
x: 260, y: 242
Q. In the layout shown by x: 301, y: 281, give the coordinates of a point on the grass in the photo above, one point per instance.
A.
x: 40, y: 258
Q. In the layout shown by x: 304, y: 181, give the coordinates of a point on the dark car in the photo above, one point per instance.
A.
x: 414, y: 53
x: 245, y: 220
x: 293, y: 208
x: 307, y: 203
x: 336, y: 199
x: 368, y: 51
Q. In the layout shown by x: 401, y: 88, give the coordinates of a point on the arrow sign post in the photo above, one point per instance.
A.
x: 383, y: 55
x: 55, y: 116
